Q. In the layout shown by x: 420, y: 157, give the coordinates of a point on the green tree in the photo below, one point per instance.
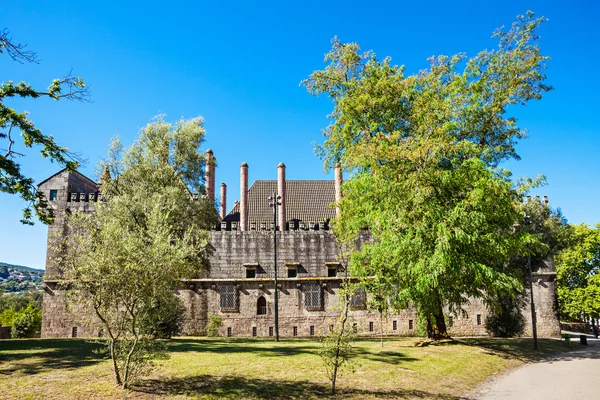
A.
x: 26, y: 323
x: 149, y: 231
x: 578, y: 272
x: 422, y: 152
x: 14, y: 123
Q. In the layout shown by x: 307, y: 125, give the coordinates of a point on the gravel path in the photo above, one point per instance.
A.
x: 572, y: 376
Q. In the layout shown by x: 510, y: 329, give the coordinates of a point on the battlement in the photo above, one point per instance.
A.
x: 76, y: 197
x: 543, y: 200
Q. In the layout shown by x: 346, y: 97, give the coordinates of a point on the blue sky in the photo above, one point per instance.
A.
x: 239, y: 66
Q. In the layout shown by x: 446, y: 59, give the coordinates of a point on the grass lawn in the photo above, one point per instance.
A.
x: 260, y: 368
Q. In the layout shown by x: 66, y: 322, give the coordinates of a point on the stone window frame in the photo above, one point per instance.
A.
x: 229, y: 298
x: 313, y: 296
x: 53, y: 195
x: 358, y: 300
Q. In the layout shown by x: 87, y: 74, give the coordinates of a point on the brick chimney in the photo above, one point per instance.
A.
x: 244, y: 197
x: 338, y: 186
x: 223, y: 204
x: 210, y: 175
x: 281, y: 217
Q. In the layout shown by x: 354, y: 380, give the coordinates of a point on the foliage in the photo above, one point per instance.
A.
x: 14, y: 123
x: 214, y: 325
x: 148, y: 232
x: 423, y: 151
x: 27, y: 322
x: 578, y: 274
x: 13, y: 307
x: 506, y: 319
x: 164, y: 319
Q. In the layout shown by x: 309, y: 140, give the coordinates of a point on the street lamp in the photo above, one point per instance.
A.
x: 527, y: 221
x: 274, y: 202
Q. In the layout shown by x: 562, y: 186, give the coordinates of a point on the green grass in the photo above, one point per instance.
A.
x: 260, y: 368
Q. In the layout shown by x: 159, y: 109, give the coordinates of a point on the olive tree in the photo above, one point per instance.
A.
x: 149, y: 230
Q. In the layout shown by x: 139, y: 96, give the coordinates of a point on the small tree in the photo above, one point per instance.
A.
x: 213, y: 327
x: 149, y: 231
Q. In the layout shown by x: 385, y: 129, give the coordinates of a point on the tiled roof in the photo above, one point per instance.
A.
x: 308, y: 201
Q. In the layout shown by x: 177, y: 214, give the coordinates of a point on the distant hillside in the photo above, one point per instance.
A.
x: 20, y: 279
x: 20, y: 267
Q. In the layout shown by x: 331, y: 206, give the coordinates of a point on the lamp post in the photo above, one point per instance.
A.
x: 527, y: 221
x: 274, y: 202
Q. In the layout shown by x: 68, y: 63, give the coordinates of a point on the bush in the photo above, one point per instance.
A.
x: 506, y: 320
x: 164, y: 319
x: 214, y: 325
x: 26, y: 323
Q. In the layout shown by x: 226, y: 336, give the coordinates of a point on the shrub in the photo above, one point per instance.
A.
x: 165, y: 318
x: 506, y: 319
x: 214, y: 325
x: 26, y: 323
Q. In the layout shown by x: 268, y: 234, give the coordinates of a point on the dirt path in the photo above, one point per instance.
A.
x: 572, y: 376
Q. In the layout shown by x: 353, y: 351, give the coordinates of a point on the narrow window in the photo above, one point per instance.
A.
x: 270, y: 331
x: 371, y: 326
x: 292, y: 272
x: 358, y: 301
x: 395, y: 325
x: 295, y: 331
x: 74, y: 332
x: 229, y: 297
x: 313, y: 296
x: 53, y: 195
x: 254, y: 331
x: 312, y: 330
x: 261, y: 306
x: 355, y: 327
x: 478, y: 319
x: 330, y: 328
x: 331, y: 272
x: 450, y: 321
x: 229, y: 332
x: 250, y: 273
x: 410, y: 324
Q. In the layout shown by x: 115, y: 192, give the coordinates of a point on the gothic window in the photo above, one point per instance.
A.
x: 313, y: 296
x: 358, y: 301
x: 229, y: 297
x: 261, y: 306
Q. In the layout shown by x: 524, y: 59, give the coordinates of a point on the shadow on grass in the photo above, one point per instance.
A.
x: 284, y: 348
x: 35, y: 356
x: 236, y: 387
x: 522, y: 349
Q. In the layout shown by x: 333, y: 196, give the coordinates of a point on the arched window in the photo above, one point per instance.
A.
x: 261, y: 306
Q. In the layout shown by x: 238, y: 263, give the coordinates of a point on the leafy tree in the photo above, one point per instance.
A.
x: 214, y: 326
x: 578, y: 272
x: 26, y: 323
x: 14, y: 123
x: 423, y: 151
x: 149, y: 231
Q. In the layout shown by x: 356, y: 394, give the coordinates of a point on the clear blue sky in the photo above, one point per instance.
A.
x: 239, y: 65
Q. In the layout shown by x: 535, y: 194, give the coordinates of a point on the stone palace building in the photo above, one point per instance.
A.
x: 239, y: 284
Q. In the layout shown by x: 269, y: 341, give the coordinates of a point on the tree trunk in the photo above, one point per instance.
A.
x: 436, y: 325
x: 113, y: 356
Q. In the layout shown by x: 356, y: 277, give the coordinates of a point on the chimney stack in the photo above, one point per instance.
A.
x: 282, y: 221
x: 244, y: 197
x: 546, y: 200
x: 210, y: 175
x: 338, y: 187
x: 223, y: 204
x: 527, y: 198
